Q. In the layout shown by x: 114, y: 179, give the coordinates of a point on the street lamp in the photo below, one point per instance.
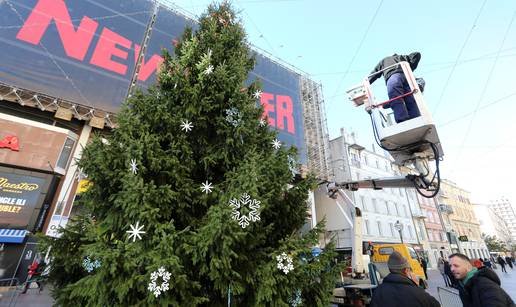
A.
x: 399, y: 228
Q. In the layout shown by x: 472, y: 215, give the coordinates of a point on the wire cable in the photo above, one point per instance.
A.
x: 458, y: 57
x: 359, y: 47
x: 484, y: 89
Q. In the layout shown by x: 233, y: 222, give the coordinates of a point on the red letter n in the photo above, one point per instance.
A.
x: 146, y: 69
x: 75, y: 43
x: 284, y: 111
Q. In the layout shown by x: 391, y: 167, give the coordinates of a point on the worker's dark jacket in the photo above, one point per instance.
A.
x: 483, y: 290
x: 412, y: 59
x: 397, y: 290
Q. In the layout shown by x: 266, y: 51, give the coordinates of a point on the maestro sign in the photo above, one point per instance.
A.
x: 18, y: 197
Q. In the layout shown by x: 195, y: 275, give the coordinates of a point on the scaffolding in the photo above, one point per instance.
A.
x: 316, y: 128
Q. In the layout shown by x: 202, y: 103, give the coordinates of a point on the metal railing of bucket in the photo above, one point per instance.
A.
x: 449, y: 297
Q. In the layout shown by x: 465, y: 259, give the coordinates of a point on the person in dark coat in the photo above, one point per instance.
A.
x: 404, y: 108
x: 448, y: 272
x: 424, y: 265
x: 508, y: 260
x: 478, y: 287
x: 400, y: 287
x: 501, y: 262
x: 487, y: 263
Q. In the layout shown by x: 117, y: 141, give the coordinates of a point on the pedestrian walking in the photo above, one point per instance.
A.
x: 508, y: 260
x: 404, y: 108
x: 400, y: 288
x: 424, y: 265
x: 501, y: 262
x: 478, y: 287
x: 440, y: 266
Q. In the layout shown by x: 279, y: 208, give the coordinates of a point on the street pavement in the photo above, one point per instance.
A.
x: 43, y: 299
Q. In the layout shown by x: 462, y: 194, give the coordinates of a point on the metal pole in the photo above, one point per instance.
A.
x: 401, y: 236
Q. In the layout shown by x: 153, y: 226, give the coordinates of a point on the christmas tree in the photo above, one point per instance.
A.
x: 192, y: 200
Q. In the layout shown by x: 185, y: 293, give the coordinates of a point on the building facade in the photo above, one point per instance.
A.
x: 439, y: 245
x: 465, y: 231
x: 381, y: 209
x: 492, y: 224
x: 503, y: 207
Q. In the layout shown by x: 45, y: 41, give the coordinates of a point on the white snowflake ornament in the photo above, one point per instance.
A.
x: 206, y: 187
x: 134, y: 166
x: 262, y: 122
x: 90, y: 265
x: 233, y: 116
x: 257, y: 94
x: 208, y: 70
x: 284, y: 263
x: 276, y: 144
x: 136, y: 231
x: 296, y: 300
x: 186, y: 126
x: 153, y: 285
x: 245, y: 219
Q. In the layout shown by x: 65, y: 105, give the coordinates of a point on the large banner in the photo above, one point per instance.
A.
x: 81, y: 51
x: 19, y: 196
x: 85, y: 51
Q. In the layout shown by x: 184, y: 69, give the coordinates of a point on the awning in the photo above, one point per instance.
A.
x: 12, y: 235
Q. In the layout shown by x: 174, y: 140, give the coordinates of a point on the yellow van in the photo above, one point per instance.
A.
x: 381, y: 254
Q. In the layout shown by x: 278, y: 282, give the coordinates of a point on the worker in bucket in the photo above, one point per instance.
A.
x: 404, y: 108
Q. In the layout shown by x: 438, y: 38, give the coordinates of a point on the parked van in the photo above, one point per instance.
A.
x: 381, y: 253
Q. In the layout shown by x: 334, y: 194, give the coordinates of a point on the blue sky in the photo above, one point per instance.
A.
x: 472, y: 102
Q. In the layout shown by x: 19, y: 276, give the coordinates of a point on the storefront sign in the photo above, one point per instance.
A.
x: 11, y: 142
x: 18, y: 198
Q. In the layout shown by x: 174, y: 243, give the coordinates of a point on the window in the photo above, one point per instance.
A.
x: 367, y: 226
x: 377, y: 164
x: 391, y: 226
x: 431, y: 235
x: 65, y: 154
x: 379, y: 224
x: 385, y: 250
x: 421, y: 232
x: 405, y: 210
x: 387, y: 209
x: 397, y: 209
x: 366, y: 161
x: 411, y: 234
x: 412, y: 253
x: 375, y: 208
x: 362, y: 201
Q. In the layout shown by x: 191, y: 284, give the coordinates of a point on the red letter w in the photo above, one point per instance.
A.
x: 75, y: 43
